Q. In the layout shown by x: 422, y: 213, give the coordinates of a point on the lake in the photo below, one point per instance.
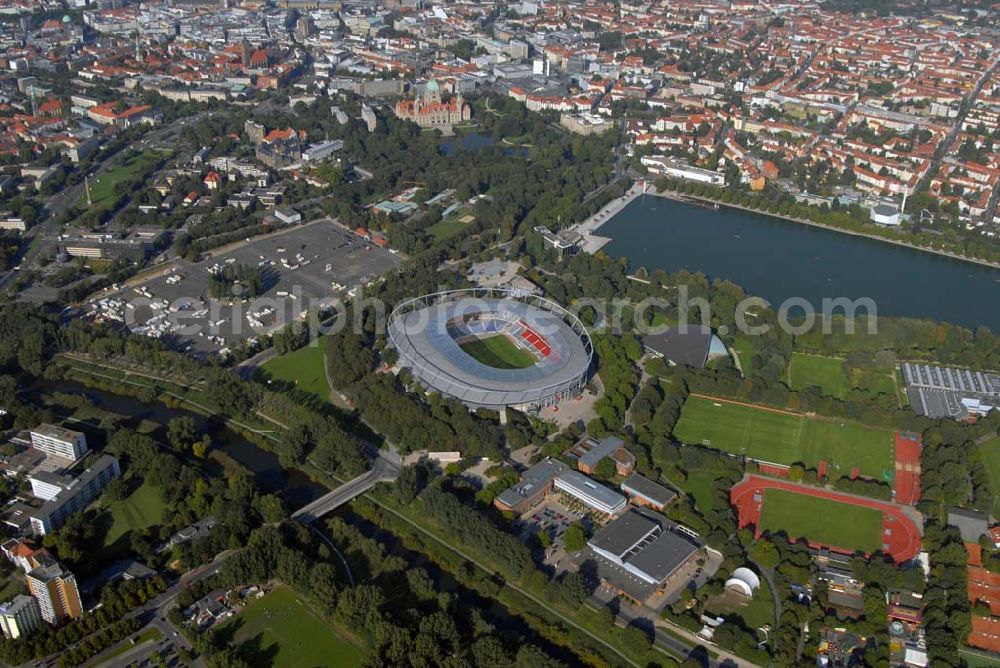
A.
x: 778, y: 259
x: 474, y: 142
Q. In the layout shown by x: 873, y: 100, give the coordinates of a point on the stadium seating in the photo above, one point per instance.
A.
x: 498, y: 323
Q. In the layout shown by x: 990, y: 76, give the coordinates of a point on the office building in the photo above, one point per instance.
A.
x: 590, y: 493
x: 20, y: 617
x: 54, y: 587
x: 56, y: 441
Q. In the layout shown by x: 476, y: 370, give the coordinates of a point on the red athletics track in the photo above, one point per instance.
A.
x: 906, y: 482
x: 900, y: 535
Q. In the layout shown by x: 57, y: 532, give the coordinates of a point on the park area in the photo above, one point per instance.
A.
x: 132, y: 171
x: 822, y: 521
x: 835, y: 379
x: 781, y: 437
x: 141, y: 509
x: 499, y: 352
x: 826, y: 373
x: 279, y: 630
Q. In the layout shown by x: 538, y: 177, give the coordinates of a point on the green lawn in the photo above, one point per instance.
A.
x: 784, y: 438
x: 823, y: 521
x: 303, y: 368
x: 447, y: 228
x: 141, y: 509
x: 102, y: 188
x: 756, y: 612
x: 991, y: 460
x: 281, y: 632
x: 499, y: 352
x: 827, y: 373
x: 744, y: 350
x: 699, y: 484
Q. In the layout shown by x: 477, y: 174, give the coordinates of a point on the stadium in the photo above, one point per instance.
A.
x: 492, y: 348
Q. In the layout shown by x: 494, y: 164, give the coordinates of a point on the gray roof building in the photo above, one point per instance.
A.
x: 533, y: 485
x: 591, y: 493
x: 646, y: 492
x: 600, y: 449
x: 971, y: 523
x: 640, y: 551
x: 692, y: 345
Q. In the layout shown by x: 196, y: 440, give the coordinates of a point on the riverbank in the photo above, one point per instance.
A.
x: 592, y: 242
x: 694, y: 199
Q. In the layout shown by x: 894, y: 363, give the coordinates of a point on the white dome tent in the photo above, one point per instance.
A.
x: 744, y: 581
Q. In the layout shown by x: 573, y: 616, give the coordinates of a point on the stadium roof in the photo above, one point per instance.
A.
x: 419, y: 330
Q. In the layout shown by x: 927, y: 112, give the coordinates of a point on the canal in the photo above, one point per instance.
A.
x: 778, y: 259
x: 291, y: 484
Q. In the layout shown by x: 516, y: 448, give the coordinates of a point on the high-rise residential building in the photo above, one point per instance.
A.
x: 54, y: 586
x: 19, y: 617
x: 65, y: 494
x: 57, y: 441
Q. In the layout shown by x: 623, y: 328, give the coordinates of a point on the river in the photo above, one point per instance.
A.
x: 779, y: 259
x: 291, y: 484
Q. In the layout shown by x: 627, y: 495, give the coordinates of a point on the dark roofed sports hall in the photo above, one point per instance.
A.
x: 541, y: 352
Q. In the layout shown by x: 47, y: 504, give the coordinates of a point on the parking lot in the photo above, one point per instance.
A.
x: 553, y: 518
x: 301, y: 268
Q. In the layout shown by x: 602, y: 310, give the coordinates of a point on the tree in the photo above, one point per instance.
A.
x: 764, y: 553
x: 575, y: 537
x: 115, y: 491
x: 605, y: 469
x: 181, y: 432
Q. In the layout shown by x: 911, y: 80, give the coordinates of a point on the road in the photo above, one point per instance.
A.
x: 154, y: 611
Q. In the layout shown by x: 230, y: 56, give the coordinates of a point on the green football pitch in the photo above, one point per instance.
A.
x: 823, y: 521
x: 279, y: 631
x: 499, y: 352
x: 785, y: 438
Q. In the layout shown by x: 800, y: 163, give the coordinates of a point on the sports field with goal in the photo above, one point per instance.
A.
x: 822, y: 521
x: 786, y: 438
x: 499, y: 352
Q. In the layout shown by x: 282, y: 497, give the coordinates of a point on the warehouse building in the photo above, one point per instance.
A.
x: 640, y: 551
